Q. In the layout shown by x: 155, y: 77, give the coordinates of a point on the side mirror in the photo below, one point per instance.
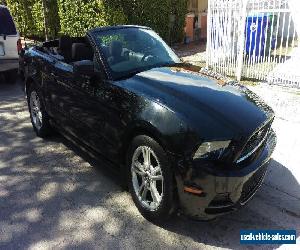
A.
x: 84, y: 68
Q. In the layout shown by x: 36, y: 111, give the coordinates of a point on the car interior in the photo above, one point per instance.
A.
x: 69, y: 49
x: 74, y: 49
x: 124, y: 52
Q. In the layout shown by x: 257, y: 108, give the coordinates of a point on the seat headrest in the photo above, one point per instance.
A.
x: 115, y: 48
x: 81, y: 51
x: 65, y: 42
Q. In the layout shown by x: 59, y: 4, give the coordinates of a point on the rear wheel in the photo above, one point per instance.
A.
x: 38, y: 114
x: 151, y: 179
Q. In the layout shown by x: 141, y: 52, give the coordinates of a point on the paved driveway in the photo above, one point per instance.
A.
x: 53, y: 196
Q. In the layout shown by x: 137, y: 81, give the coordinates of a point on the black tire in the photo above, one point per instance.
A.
x: 45, y: 128
x: 167, y: 203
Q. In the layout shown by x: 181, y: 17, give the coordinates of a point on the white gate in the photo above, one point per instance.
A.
x: 255, y: 39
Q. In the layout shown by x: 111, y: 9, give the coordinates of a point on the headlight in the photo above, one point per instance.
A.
x: 212, y: 150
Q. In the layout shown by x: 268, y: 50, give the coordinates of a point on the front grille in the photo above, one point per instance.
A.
x: 251, y: 185
x: 254, y: 142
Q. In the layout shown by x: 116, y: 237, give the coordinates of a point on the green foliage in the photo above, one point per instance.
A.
x: 158, y: 15
x: 53, y: 18
x: 75, y: 17
x: 38, y: 18
x: 29, y: 17
x: 20, y: 10
x: 78, y: 16
x: 179, y: 10
x: 154, y: 14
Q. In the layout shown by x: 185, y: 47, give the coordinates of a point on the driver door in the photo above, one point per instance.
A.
x: 73, y: 100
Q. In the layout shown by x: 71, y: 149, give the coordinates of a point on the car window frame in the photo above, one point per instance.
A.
x: 93, y: 36
x: 100, y: 57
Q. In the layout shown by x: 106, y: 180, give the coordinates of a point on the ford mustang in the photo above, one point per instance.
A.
x: 180, y: 137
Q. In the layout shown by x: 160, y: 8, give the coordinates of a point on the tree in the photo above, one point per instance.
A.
x: 45, y: 11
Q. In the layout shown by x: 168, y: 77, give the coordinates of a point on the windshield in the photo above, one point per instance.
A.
x: 7, y: 26
x: 132, y: 50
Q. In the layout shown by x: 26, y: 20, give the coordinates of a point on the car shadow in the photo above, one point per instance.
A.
x: 101, y: 165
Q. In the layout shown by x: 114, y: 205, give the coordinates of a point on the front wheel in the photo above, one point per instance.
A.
x: 38, y: 115
x: 151, y: 180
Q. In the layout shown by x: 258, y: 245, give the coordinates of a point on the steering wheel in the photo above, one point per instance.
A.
x: 148, y: 53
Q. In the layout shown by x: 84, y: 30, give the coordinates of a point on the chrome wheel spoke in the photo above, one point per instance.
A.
x: 154, y: 193
x: 40, y: 116
x: 157, y: 178
x: 142, y: 187
x: 144, y: 193
x: 155, y: 170
x: 138, y: 168
x: 38, y: 120
x: 146, y: 156
x: 38, y: 105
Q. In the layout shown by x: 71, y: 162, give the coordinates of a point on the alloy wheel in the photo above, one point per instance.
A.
x: 35, y: 110
x: 147, y: 178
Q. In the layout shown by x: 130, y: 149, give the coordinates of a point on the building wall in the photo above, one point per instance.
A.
x: 202, y: 5
x: 197, y: 6
x: 196, y: 30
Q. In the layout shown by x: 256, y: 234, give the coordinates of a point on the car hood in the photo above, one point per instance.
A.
x: 194, y: 96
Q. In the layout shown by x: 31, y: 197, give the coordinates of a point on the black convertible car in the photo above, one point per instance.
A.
x: 181, y: 139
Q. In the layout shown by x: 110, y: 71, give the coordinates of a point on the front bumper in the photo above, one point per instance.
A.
x: 223, y: 190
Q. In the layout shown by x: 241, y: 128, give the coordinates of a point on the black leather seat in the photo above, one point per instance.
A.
x: 81, y: 51
x: 64, y: 48
x: 115, y: 50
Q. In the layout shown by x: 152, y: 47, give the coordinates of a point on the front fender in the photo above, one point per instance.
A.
x: 166, y: 126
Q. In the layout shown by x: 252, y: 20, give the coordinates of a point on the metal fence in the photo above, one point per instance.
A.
x: 255, y: 39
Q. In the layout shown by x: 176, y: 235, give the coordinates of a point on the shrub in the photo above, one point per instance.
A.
x: 38, y: 18
x: 29, y: 17
x: 75, y: 17
x: 157, y: 14
x: 20, y: 10
x: 179, y: 10
x: 78, y: 16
